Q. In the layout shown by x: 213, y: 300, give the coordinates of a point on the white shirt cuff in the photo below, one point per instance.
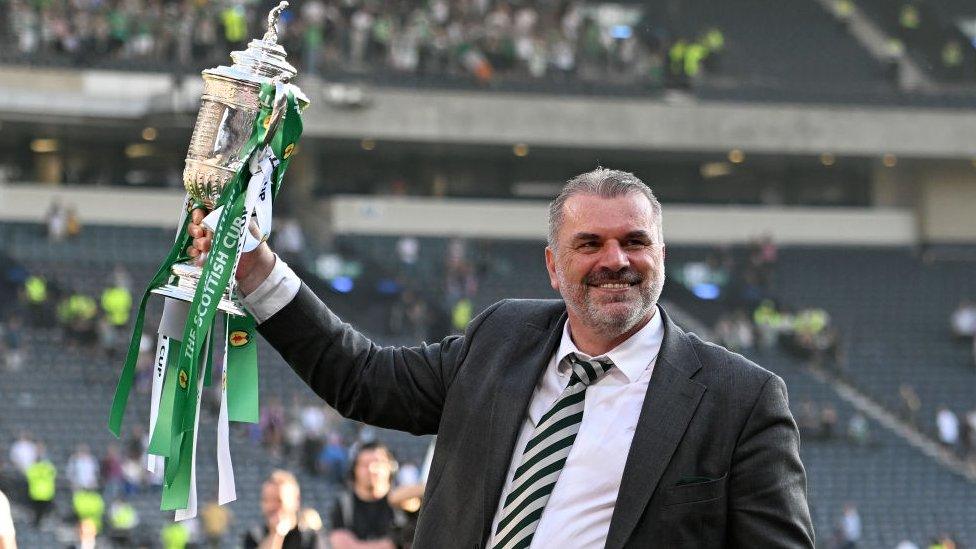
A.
x: 274, y: 293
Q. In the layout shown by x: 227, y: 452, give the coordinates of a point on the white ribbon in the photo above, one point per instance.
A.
x: 162, y: 355
x: 257, y: 202
x: 226, y: 487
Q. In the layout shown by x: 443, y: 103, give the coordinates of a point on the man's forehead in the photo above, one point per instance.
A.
x: 590, y: 210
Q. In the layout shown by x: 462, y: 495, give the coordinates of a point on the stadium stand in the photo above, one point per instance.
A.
x: 931, y: 32
x: 899, y: 492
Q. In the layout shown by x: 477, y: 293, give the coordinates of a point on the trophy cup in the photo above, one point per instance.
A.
x: 228, y: 109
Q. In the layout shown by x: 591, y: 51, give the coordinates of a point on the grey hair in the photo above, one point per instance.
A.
x: 605, y: 183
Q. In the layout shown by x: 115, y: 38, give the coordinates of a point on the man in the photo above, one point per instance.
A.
x: 361, y: 517
x: 281, y: 499
x: 41, y: 485
x: 656, y: 438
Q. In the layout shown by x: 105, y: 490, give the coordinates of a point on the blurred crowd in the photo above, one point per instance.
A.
x: 480, y: 39
x: 375, y: 498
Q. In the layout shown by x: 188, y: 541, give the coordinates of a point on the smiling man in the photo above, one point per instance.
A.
x: 587, y: 422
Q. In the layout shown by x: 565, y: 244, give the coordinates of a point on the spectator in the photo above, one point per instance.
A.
x: 362, y: 513
x: 272, y: 424
x: 948, y: 424
x: 87, y: 533
x: 313, y: 424
x: 216, y: 521
x: 8, y: 538
x: 123, y: 520
x: 280, y: 505
x: 333, y: 460
x: 910, y: 403
x: 963, y: 320
x: 82, y: 469
x: 850, y: 527
x: 88, y: 505
x: 858, y: 430
x: 11, y: 344
x: 56, y: 220
x: 41, y: 477
x: 23, y: 452
x: 175, y: 535
x: 828, y: 422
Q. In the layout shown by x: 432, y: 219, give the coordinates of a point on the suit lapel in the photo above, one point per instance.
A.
x: 512, y: 393
x: 669, y: 405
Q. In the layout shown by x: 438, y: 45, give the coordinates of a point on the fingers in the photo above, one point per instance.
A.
x: 202, y: 238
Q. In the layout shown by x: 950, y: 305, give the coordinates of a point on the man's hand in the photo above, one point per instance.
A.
x: 252, y: 269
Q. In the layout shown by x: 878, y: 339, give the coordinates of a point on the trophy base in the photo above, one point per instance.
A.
x: 182, y: 285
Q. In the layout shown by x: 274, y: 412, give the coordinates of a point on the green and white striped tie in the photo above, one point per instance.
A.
x: 544, y: 456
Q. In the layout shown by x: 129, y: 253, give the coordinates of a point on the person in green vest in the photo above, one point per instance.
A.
x: 122, y: 519
x: 676, y: 55
x: 695, y: 55
x: 461, y: 315
x: 116, y: 303
x: 714, y: 42
x: 76, y: 314
x: 41, y: 476
x: 174, y: 536
x: 235, y: 25
x: 88, y: 504
x: 35, y: 292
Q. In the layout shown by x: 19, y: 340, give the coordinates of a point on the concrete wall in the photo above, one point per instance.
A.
x: 682, y: 224
x: 488, y: 218
x: 947, y: 203
x: 538, y: 120
x: 95, y: 205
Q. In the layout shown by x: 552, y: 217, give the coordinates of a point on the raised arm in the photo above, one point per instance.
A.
x: 400, y: 388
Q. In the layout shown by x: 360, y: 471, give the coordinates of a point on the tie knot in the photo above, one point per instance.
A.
x: 588, y: 371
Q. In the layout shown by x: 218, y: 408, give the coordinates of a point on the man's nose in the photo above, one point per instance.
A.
x: 614, y: 256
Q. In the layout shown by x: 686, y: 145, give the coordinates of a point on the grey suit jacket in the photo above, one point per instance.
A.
x: 714, y: 461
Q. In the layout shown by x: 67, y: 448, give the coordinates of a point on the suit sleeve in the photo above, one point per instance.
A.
x: 768, y: 497
x: 400, y: 388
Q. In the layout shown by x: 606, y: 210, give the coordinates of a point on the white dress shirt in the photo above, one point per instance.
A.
x: 274, y: 293
x: 581, y: 505
x: 579, y: 509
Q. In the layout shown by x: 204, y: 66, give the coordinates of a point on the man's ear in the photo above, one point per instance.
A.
x: 551, y: 267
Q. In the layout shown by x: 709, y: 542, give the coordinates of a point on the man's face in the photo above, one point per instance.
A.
x: 278, y: 499
x: 373, y: 469
x: 608, y: 263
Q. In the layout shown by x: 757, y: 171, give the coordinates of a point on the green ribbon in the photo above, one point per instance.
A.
x: 242, y: 370
x: 176, y: 254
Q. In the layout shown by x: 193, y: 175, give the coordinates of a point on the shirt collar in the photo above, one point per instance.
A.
x: 632, y: 357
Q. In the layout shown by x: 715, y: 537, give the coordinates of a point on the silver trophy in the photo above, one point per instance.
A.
x: 228, y: 109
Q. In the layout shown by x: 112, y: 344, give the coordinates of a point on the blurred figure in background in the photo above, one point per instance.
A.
x: 8, y: 538
x: 41, y: 476
x: 362, y: 513
x: 216, y: 521
x: 948, y: 424
x: 82, y: 469
x: 280, y: 505
x: 850, y: 527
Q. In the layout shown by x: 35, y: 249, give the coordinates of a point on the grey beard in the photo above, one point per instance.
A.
x: 608, y: 324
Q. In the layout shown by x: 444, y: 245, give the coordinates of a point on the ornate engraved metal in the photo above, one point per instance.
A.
x: 228, y: 108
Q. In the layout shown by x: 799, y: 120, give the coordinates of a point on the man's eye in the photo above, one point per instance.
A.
x: 589, y: 245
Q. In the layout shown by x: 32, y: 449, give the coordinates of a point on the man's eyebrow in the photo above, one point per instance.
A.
x: 586, y: 236
x: 638, y: 234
